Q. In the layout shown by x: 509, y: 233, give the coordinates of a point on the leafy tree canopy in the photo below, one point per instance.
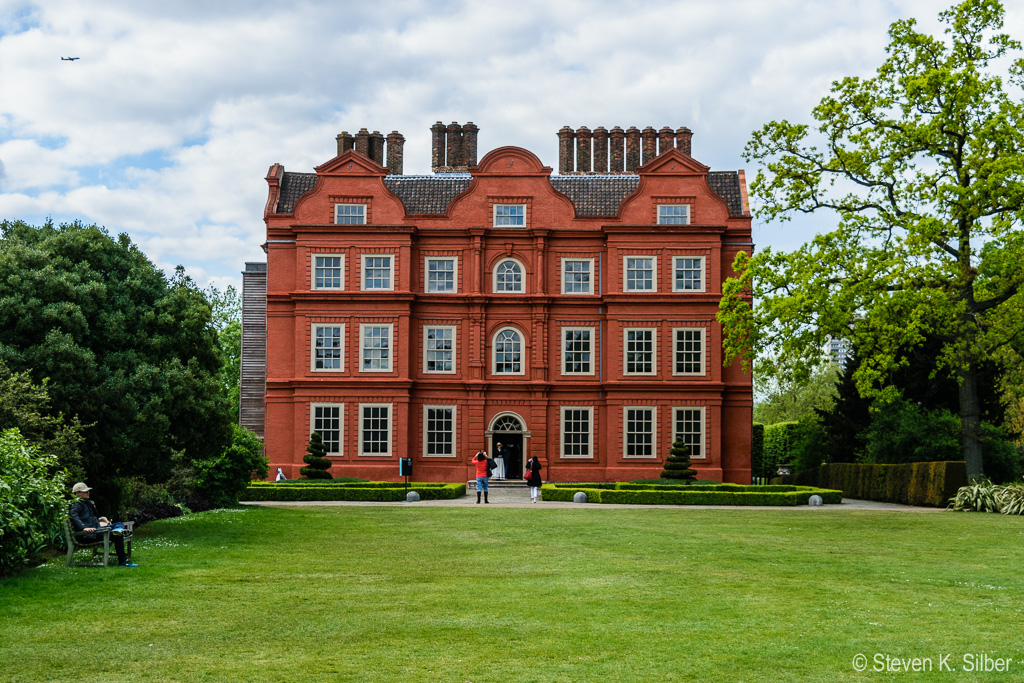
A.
x: 788, y: 399
x: 924, y: 166
x: 132, y: 354
x: 227, y: 318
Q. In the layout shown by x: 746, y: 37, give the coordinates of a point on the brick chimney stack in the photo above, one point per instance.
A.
x: 617, y: 152
x: 666, y: 139
x: 437, y: 135
x: 469, y: 132
x: 455, y: 159
x: 345, y: 142
x: 632, y: 149
x: 600, y: 149
x: 377, y: 147
x: 650, y: 144
x: 363, y: 142
x: 566, y: 159
x: 396, y: 154
x: 683, y: 136
x: 583, y: 137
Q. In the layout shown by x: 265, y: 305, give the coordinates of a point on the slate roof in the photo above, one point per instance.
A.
x: 726, y: 184
x: 595, y: 195
x: 592, y: 195
x: 293, y: 186
x: 429, y: 194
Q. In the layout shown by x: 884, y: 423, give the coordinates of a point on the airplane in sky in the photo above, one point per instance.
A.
x: 69, y: 59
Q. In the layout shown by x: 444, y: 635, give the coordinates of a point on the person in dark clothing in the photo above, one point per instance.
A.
x: 533, y: 477
x: 84, y: 518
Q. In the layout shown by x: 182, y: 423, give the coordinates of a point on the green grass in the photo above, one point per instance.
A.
x: 526, y: 594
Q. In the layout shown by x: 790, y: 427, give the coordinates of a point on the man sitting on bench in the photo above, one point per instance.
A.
x: 83, y: 518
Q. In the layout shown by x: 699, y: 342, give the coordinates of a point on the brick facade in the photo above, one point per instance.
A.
x: 445, y: 313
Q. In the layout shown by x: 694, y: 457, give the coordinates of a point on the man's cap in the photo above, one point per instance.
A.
x: 79, y: 488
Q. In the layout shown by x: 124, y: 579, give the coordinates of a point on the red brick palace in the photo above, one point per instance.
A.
x: 566, y: 316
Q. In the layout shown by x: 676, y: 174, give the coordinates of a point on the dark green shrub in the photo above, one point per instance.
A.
x: 220, y: 480
x: 1002, y: 457
x: 757, y: 450
x: 316, y: 461
x: 141, y: 502
x: 919, y: 483
x: 677, y: 465
x: 904, y: 432
x: 778, y: 445
x: 809, y: 449
x: 725, y: 494
x: 369, y: 491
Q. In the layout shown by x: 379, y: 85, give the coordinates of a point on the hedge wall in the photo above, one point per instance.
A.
x: 777, y: 446
x: 369, y: 491
x: 929, y: 484
x: 757, y: 449
x: 725, y: 494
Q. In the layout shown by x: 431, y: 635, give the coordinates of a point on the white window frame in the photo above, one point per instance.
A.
x: 522, y: 277
x: 501, y: 219
x: 591, y: 349
x: 522, y: 352
x: 391, y: 273
x: 313, y: 327
x: 455, y: 274
x: 654, y: 273
x: 625, y: 351
x: 668, y: 218
x: 363, y: 348
x: 702, y: 361
x: 340, y: 407
x: 390, y: 430
x: 654, y: 432
x: 313, y: 269
x: 361, y: 215
x: 454, y: 430
x: 675, y: 270
x: 590, y: 276
x: 702, y: 435
x: 426, y: 349
x: 589, y: 445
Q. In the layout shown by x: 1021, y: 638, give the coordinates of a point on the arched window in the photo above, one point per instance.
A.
x: 508, y: 345
x: 508, y: 276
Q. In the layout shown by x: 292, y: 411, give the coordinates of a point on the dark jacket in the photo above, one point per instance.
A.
x: 534, y: 467
x: 83, y: 515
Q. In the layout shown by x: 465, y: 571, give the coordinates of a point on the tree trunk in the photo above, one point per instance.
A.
x: 970, y: 418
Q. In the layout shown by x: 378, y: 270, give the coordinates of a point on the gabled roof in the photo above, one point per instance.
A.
x: 293, y: 186
x: 726, y: 184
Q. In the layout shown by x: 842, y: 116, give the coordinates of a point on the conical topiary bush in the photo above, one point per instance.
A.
x: 317, y: 464
x: 677, y: 464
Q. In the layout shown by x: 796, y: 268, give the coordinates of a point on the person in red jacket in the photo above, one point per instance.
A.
x: 483, y: 472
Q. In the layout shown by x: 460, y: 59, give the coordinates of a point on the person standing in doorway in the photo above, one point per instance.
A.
x: 499, y: 459
x: 533, y: 477
x: 481, y: 462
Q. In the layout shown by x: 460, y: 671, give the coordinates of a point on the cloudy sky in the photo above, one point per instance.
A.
x: 165, y: 126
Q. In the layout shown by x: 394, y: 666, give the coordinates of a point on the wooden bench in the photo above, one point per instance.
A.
x: 75, y: 542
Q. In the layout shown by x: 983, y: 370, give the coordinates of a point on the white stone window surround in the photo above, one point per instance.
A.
x: 688, y: 283
x: 640, y: 273
x: 332, y: 273
x: 507, y: 351
x: 434, y: 351
x: 509, y: 215
x: 441, y: 285
x: 377, y: 273
x: 509, y: 277
x: 376, y: 347
x: 673, y: 214
x: 578, y: 276
x: 690, y: 423
x: 584, y: 346
x: 571, y: 437
x: 428, y: 428
x: 328, y: 419
x: 641, y: 350
x: 640, y: 432
x: 688, y: 357
x: 375, y: 429
x: 319, y: 351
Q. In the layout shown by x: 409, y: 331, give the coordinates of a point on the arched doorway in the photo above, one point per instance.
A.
x: 509, y: 430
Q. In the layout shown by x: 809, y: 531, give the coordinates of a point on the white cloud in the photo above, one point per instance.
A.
x: 166, y: 125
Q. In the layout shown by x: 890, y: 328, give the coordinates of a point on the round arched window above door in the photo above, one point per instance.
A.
x: 508, y: 424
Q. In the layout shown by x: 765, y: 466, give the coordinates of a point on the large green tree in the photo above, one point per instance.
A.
x: 128, y: 351
x: 923, y: 164
x: 227, y: 319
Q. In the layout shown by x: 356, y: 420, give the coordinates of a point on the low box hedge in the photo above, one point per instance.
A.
x: 929, y: 484
x: 723, y: 494
x: 376, y: 491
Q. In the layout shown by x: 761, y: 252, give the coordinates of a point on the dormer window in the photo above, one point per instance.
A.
x: 510, y: 215
x: 673, y: 214
x: 350, y: 214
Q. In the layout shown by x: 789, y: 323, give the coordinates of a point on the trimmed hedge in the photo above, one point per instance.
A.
x: 722, y: 494
x: 929, y: 484
x: 377, y: 491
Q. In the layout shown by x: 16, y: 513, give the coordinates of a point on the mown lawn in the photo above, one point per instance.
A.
x: 527, y: 594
